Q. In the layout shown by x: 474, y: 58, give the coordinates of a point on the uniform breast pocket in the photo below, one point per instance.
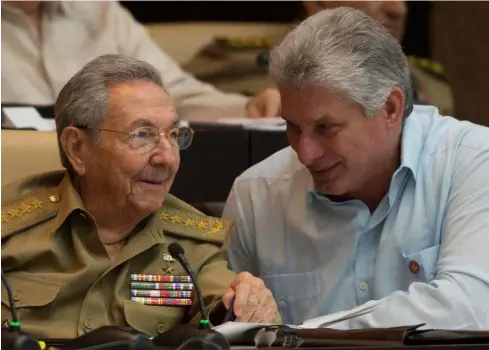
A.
x: 33, y: 297
x: 295, y: 294
x: 421, y: 266
x: 152, y: 319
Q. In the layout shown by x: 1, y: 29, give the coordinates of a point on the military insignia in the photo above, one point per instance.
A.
x: 200, y: 227
x: 161, y: 289
x: 5, y: 323
x: 168, y: 270
x: 28, y: 210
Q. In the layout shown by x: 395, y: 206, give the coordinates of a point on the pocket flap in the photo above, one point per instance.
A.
x: 30, y: 291
x: 152, y: 319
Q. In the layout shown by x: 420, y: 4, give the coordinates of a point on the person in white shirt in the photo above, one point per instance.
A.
x: 376, y: 201
x: 44, y: 43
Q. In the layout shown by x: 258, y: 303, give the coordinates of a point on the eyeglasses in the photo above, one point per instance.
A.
x: 146, y: 138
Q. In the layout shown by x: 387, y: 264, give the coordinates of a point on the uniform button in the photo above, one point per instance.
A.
x: 54, y: 199
x: 161, y: 328
x: 88, y: 324
x: 17, y: 296
x: 363, y: 286
x: 282, y: 304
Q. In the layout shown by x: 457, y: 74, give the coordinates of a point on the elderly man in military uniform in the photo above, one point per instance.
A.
x: 240, y: 64
x: 87, y: 247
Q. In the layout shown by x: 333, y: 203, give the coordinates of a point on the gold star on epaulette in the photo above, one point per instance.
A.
x: 14, y: 213
x: 189, y: 223
x: 202, y: 225
x: 164, y: 216
x: 37, y: 204
x: 175, y: 219
x: 25, y: 209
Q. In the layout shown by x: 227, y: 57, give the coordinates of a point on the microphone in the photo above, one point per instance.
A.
x: 13, y: 338
x: 187, y: 336
x: 177, y: 252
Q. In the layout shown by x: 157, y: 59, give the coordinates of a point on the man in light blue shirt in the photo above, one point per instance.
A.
x: 375, y: 199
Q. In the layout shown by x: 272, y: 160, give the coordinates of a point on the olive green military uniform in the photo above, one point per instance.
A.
x: 62, y: 279
x: 233, y: 65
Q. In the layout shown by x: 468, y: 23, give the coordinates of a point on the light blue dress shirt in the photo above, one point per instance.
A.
x: 424, y: 252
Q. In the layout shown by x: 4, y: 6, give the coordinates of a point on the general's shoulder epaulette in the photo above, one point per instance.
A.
x: 196, y: 226
x: 29, y: 210
x: 429, y: 66
x: 249, y: 43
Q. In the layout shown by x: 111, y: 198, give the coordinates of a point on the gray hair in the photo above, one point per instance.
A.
x: 347, y: 52
x: 84, y: 100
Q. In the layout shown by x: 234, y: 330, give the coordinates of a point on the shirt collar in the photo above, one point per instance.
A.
x: 412, y: 143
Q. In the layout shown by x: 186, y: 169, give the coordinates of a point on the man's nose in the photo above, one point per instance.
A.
x: 164, y: 152
x: 309, y: 150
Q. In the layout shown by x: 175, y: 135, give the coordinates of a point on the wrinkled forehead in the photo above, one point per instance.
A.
x: 140, y: 104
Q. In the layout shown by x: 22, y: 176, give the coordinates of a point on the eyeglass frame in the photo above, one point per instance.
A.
x: 131, y: 134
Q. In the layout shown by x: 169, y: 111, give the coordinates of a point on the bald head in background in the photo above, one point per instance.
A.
x: 392, y: 14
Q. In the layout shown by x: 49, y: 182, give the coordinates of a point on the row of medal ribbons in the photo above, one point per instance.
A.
x: 161, y: 289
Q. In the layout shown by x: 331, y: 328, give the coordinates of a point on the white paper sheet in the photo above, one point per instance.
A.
x: 232, y: 330
x: 28, y: 117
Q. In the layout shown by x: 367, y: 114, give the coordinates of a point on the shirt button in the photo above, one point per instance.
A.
x: 88, y: 324
x: 282, y: 304
x: 160, y: 328
x: 287, y: 177
x: 363, y: 286
x: 17, y: 296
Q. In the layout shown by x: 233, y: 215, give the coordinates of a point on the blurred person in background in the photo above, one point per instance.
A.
x: 45, y: 43
x: 239, y: 64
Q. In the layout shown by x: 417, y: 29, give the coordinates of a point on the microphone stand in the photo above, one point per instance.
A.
x: 187, y: 334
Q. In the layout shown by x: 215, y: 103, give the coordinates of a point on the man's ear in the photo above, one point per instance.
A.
x: 394, y: 107
x: 75, y: 142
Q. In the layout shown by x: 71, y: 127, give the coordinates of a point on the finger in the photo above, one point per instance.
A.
x: 266, y: 303
x: 243, y: 290
x: 228, y: 296
x: 272, y: 106
x: 253, y: 301
x: 252, y: 110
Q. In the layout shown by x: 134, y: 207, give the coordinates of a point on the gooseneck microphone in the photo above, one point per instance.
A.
x: 177, y: 252
x: 188, y: 336
x: 14, y: 325
x: 13, y: 338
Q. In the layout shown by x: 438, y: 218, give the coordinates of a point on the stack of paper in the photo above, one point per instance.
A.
x: 265, y: 124
x: 28, y: 117
x: 232, y: 330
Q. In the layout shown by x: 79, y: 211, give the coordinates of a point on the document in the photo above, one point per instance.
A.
x: 265, y: 124
x: 28, y: 117
x: 232, y: 330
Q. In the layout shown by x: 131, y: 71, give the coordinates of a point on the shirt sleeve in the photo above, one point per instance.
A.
x: 194, y: 100
x: 240, y: 247
x: 458, y: 296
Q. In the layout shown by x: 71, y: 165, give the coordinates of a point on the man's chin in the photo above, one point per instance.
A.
x: 330, y: 188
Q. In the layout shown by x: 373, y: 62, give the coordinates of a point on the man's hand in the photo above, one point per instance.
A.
x: 266, y: 104
x: 253, y: 301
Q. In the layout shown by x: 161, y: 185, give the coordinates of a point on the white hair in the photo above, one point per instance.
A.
x: 84, y: 100
x: 347, y: 52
